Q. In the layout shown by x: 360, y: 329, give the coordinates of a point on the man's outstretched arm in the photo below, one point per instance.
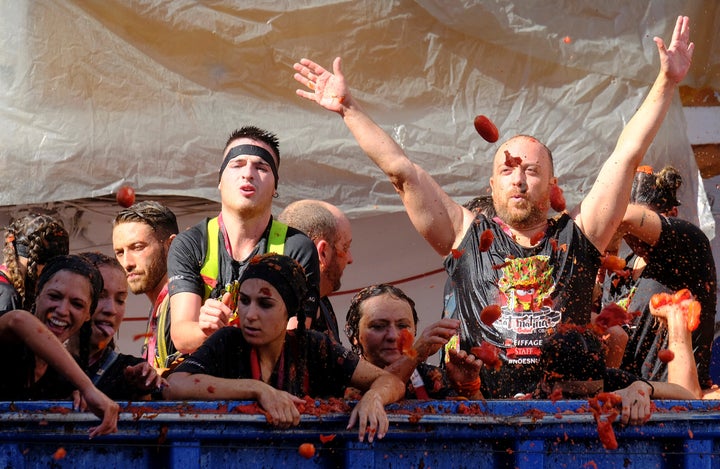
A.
x: 440, y: 220
x: 602, y: 210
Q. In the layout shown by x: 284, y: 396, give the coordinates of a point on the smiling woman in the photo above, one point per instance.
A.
x: 69, y: 288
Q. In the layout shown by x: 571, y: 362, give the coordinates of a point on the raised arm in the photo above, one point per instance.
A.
x: 642, y: 223
x: 682, y: 369
x: 440, y: 220
x: 602, y: 210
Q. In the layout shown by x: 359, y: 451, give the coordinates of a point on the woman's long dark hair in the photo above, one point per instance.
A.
x: 77, y: 265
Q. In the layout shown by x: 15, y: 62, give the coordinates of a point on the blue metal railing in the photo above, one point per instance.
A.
x: 433, y: 434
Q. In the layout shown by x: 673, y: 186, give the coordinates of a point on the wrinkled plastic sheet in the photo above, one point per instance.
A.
x: 96, y: 94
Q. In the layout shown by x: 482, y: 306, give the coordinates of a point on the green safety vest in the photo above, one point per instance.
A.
x: 211, y: 265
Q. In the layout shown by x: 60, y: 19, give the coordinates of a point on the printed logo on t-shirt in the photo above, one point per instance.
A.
x: 525, y: 289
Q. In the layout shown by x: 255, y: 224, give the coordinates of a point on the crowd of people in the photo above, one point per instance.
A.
x: 240, y: 308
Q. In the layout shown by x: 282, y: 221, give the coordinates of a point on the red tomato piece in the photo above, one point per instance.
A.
x: 666, y: 355
x: 125, y: 196
x: 611, y: 262
x: 488, y: 354
x: 537, y: 237
x: 607, y: 435
x: 59, y: 454
x: 485, y: 127
x: 681, y: 295
x: 327, y: 438
x: 612, y: 315
x: 490, y: 314
x: 307, y: 450
x: 512, y: 161
x: 500, y: 266
x: 557, y: 199
x: 405, y: 343
x: 659, y: 299
x: 486, y: 239
x: 457, y: 254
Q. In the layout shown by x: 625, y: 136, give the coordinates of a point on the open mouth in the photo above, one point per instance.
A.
x: 57, y: 326
x: 106, y: 328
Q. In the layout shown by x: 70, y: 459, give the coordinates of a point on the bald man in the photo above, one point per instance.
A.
x: 329, y: 228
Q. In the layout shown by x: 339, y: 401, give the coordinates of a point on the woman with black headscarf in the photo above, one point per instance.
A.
x: 262, y: 360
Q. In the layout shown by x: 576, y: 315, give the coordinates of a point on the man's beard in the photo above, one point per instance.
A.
x: 525, y: 216
x: 153, y: 275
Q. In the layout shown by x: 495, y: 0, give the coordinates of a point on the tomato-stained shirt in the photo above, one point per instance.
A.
x: 537, y: 288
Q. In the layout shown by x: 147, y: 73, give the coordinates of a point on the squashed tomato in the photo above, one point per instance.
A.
x: 405, y: 343
x: 490, y: 314
x: 666, y: 355
x: 486, y: 239
x: 488, y: 354
x: 557, y: 199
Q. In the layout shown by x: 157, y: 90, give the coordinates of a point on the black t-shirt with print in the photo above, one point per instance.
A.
x: 537, y: 289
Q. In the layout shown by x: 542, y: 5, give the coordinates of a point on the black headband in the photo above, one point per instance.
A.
x: 250, y: 150
x: 282, y: 272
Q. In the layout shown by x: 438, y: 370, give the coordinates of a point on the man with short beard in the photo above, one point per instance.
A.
x: 328, y: 227
x: 540, y: 271
x: 141, y: 236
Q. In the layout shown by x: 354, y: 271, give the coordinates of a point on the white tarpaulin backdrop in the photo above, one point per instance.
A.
x: 96, y: 94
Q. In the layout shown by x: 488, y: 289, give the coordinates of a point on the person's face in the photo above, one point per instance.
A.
x: 262, y: 311
x: 142, y: 255
x: 340, y: 254
x: 521, y: 192
x: 248, y: 181
x: 382, y: 318
x: 64, y: 303
x: 110, y: 310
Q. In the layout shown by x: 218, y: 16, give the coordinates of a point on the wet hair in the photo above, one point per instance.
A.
x: 481, y: 204
x: 656, y: 190
x: 99, y: 259
x: 256, y: 133
x: 312, y: 218
x: 352, y: 320
x: 38, y: 238
x: 573, y: 353
x: 157, y: 216
x: 77, y: 264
